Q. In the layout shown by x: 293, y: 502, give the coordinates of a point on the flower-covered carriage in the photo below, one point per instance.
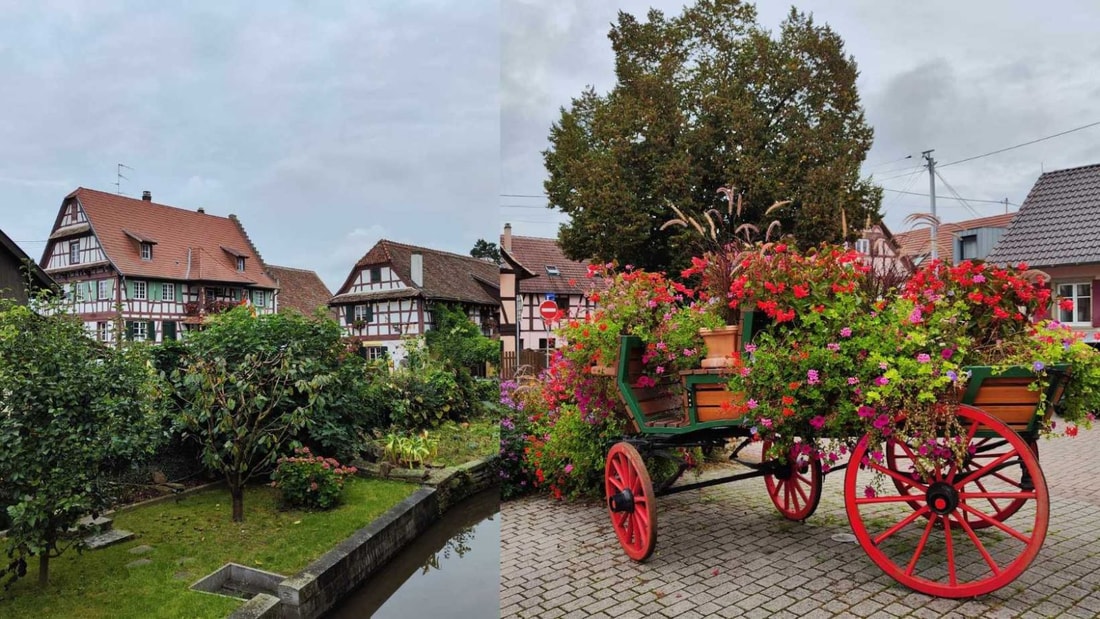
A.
x: 942, y: 483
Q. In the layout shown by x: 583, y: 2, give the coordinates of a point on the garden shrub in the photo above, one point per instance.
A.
x: 569, y: 461
x: 310, y: 482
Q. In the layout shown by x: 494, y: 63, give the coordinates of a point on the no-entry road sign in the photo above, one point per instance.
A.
x: 548, y: 310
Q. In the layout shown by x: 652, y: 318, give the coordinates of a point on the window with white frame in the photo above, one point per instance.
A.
x: 168, y: 291
x: 146, y: 251
x: 78, y: 291
x: 74, y: 252
x: 140, y: 290
x: 1075, y: 302
x: 259, y: 299
x: 376, y: 353
x: 140, y: 330
x: 101, y: 330
x: 240, y: 263
x: 102, y: 289
x: 364, y: 313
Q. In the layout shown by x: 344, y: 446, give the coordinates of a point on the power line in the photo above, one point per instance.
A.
x: 914, y: 193
x: 524, y: 206
x: 522, y: 195
x: 1001, y: 150
x: 911, y: 170
x: 882, y: 163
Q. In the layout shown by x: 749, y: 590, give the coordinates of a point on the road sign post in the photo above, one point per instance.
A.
x: 548, y: 309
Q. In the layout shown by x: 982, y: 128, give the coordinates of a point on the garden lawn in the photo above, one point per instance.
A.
x: 191, y: 537
x: 459, y: 445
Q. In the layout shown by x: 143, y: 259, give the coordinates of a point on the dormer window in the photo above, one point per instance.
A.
x: 863, y: 246
x: 553, y: 270
x: 240, y: 264
x: 146, y: 251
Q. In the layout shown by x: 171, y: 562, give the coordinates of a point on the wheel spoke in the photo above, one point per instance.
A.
x: 997, y: 495
x: 802, y: 493
x: 898, y: 476
x: 952, y: 577
x: 616, y: 483
x: 985, y: 469
x: 901, y: 525
x: 920, y: 546
x: 1008, y: 480
x: 978, y: 544
x: 996, y: 508
x: 997, y: 523
x: 904, y: 498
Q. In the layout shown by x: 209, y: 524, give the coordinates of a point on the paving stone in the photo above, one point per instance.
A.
x: 107, y: 538
x: 138, y: 563
x: 567, y: 551
x: 140, y: 550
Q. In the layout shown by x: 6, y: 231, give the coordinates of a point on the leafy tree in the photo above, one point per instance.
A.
x: 703, y: 100
x: 486, y: 250
x: 457, y: 342
x: 248, y: 385
x: 71, y: 411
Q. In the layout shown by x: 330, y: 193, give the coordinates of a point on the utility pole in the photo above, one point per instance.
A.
x: 1006, y: 206
x: 932, y: 196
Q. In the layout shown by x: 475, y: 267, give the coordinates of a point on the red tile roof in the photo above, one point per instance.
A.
x: 300, y: 290
x: 535, y: 254
x: 917, y: 243
x: 189, y: 245
x: 447, y: 276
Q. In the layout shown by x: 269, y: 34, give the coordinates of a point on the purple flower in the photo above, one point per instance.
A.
x: 953, y: 375
x: 881, y: 422
x: 869, y: 492
x: 924, y: 358
x: 882, y: 381
x: 750, y: 348
x: 1038, y: 366
x: 946, y: 353
x: 865, y: 411
x: 568, y: 469
x: 846, y: 332
x: 833, y: 346
x: 507, y: 424
x: 818, y: 422
x: 752, y: 404
x: 812, y: 377
x: 915, y: 316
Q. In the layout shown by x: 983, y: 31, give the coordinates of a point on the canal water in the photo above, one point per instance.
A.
x: 452, y: 570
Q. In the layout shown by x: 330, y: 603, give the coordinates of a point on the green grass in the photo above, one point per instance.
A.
x: 459, y: 445
x: 192, y: 537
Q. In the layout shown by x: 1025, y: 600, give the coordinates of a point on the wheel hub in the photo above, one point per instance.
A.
x: 942, y: 498
x: 621, y: 501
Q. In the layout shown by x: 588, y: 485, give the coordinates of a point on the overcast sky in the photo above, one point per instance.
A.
x: 323, y: 125
x: 963, y: 78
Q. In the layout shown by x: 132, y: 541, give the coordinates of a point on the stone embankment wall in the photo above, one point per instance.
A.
x: 321, y: 585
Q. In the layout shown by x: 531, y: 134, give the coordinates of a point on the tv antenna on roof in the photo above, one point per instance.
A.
x: 119, y: 178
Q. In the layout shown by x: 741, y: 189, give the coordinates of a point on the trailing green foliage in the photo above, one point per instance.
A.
x: 71, y: 410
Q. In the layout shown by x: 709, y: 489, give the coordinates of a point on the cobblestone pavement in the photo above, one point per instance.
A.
x: 725, y: 552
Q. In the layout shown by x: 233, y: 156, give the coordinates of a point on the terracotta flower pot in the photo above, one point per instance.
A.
x: 721, y: 344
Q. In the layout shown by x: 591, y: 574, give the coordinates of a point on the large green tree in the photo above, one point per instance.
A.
x: 707, y: 99
x: 71, y: 410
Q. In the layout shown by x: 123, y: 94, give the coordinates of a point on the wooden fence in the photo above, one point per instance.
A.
x: 530, y: 361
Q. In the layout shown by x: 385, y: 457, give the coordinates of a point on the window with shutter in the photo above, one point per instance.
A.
x: 169, y: 330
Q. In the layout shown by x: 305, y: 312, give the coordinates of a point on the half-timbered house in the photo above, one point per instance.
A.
x: 19, y: 275
x: 151, y: 272
x: 300, y: 291
x: 392, y: 289
x: 536, y: 270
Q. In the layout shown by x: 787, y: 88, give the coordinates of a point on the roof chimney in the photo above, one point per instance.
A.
x: 507, y: 243
x: 202, y: 210
x: 147, y: 196
x: 416, y: 268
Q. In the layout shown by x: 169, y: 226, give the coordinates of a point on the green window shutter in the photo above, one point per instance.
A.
x: 129, y: 289
x: 370, y: 312
x: 349, y: 316
x: 179, y: 292
x: 151, y: 334
x: 111, y: 289
x: 129, y: 329
x: 169, y: 329
x: 154, y: 291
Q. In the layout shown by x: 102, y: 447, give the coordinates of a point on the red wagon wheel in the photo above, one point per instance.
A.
x: 900, y: 457
x: 796, y: 489
x: 934, y: 549
x: 630, y: 501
